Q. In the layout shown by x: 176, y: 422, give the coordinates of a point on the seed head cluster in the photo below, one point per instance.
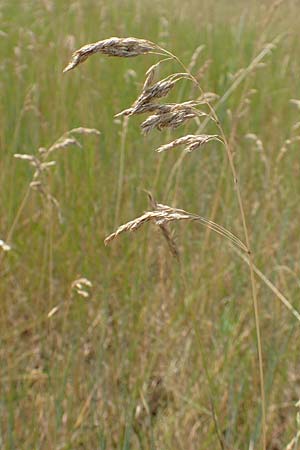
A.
x: 168, y: 115
x: 122, y: 47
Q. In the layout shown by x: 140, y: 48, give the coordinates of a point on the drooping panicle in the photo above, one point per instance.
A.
x: 152, y: 93
x: 190, y: 142
x: 114, y: 46
x: 163, y: 215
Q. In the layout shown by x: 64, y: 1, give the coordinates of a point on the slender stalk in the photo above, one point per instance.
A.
x: 247, y: 241
x: 270, y: 285
x: 121, y: 168
x: 50, y: 243
x: 17, y: 216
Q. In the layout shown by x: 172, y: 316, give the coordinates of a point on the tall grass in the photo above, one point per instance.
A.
x: 155, y: 356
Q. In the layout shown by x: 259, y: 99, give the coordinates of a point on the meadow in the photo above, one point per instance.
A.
x: 126, y: 346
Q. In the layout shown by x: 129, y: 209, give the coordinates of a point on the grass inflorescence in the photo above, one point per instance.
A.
x: 150, y: 342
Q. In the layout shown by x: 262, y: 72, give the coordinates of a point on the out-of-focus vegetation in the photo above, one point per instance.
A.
x: 159, y: 355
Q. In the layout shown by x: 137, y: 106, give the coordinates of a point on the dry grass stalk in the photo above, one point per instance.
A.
x: 169, y: 237
x: 122, y: 47
x: 270, y: 285
x: 190, y: 141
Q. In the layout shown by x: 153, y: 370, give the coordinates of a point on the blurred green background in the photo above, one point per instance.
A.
x: 161, y: 354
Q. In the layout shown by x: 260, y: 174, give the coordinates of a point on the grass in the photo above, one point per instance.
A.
x: 179, y: 343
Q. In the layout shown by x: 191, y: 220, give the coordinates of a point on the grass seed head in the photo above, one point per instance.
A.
x: 84, y: 131
x: 144, y: 102
x: 167, y: 120
x: 64, y: 143
x: 122, y: 47
x: 160, y: 216
x: 190, y: 142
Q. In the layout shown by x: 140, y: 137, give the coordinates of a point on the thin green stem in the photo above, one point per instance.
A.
x: 121, y: 169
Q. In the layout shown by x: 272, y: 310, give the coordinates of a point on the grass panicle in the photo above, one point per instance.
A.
x: 158, y: 349
x: 114, y: 46
x: 190, y: 142
x: 162, y: 214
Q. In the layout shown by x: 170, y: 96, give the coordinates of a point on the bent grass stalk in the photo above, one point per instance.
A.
x: 162, y: 214
x: 121, y: 168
